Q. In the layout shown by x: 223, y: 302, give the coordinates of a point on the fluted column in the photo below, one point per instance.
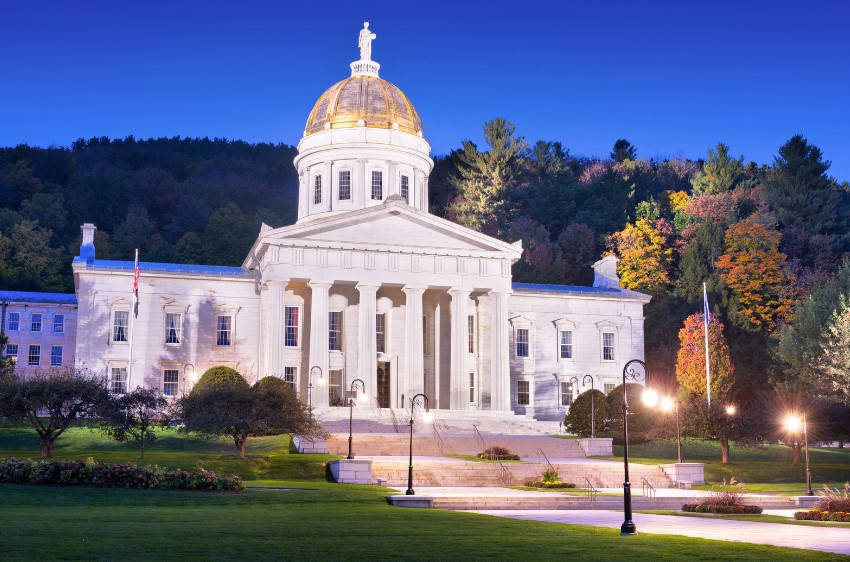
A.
x: 319, y: 340
x: 460, y: 349
x: 500, y: 371
x: 414, y: 360
x: 367, y: 352
x: 273, y: 300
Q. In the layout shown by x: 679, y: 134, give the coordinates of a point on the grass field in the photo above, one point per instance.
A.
x: 313, y: 520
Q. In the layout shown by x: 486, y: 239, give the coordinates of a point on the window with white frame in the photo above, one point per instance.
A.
x: 607, y: 346
x: 565, y: 344
x: 470, y: 328
x: 290, y: 377
x: 317, y: 190
x: 12, y: 351
x: 291, y: 314
x: 224, y: 330
x: 344, y: 185
x: 380, y: 335
x: 522, y: 343
x: 523, y: 393
x: 173, y: 328
x: 472, y: 388
x: 335, y: 330
x: 335, y: 387
x: 170, y: 382
x: 120, y: 325
x: 58, y: 323
x: 608, y: 387
x: 377, y: 185
x: 56, y: 356
x: 14, y: 321
x: 405, y: 189
x: 35, y: 322
x: 566, y: 393
x: 34, y: 356
x: 118, y: 380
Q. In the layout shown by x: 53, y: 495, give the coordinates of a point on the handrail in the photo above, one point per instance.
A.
x: 551, y: 468
x: 478, y: 434
x: 441, y: 445
x: 394, y: 420
x: 589, y: 491
x: 504, y: 474
x: 647, y: 487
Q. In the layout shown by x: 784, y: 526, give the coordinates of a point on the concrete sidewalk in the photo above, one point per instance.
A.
x: 836, y: 540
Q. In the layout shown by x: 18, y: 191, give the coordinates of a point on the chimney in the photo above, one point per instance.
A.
x: 605, y: 273
x: 87, y: 247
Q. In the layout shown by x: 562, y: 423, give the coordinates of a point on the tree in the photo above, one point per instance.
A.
x: 642, y: 420
x: 836, y: 350
x: 136, y: 232
x: 623, y: 150
x: 712, y: 423
x: 690, y: 361
x: 7, y: 367
x: 578, y: 252
x: 696, y: 264
x: 35, y: 265
x: 135, y: 416
x: 52, y: 404
x: 578, y: 420
x: 229, y: 234
x: 645, y: 256
x: 753, y: 268
x: 719, y: 174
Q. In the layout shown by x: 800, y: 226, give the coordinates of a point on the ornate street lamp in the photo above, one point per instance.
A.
x: 592, y: 405
x: 363, y: 398
x: 422, y: 400
x: 794, y: 424
x: 316, y: 370
x: 629, y: 373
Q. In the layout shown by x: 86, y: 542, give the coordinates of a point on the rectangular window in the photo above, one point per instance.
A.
x: 173, y: 328
x: 170, y: 378
x: 290, y: 377
x: 59, y: 324
x: 120, y: 325
x: 523, y: 393
x: 56, y: 356
x: 566, y: 344
x: 14, y: 321
x: 522, y: 342
x: 405, y: 189
x: 35, y: 322
x: 379, y: 333
x: 335, y: 387
x: 344, y: 185
x: 335, y: 331
x: 608, y: 387
x: 34, y: 356
x: 607, y: 346
x: 317, y: 191
x: 566, y: 393
x: 471, y: 388
x: 377, y: 185
x: 291, y: 332
x: 12, y: 350
x: 118, y: 380
x: 224, y: 330
x: 470, y: 324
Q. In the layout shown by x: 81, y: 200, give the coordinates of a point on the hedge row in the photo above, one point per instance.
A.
x: 721, y: 509
x: 542, y: 484
x: 91, y: 473
x: 818, y: 515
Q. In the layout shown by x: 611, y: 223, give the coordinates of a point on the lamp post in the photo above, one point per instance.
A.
x: 629, y: 373
x: 592, y: 405
x: 793, y: 423
x: 422, y: 400
x: 363, y: 396
x: 668, y: 405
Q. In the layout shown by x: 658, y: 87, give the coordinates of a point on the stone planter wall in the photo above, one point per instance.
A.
x: 597, y: 447
x: 685, y: 472
x: 354, y: 471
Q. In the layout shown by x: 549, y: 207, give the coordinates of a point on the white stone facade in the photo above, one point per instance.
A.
x: 42, y: 330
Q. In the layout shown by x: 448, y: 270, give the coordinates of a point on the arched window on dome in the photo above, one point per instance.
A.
x: 344, y: 185
x: 405, y: 189
x: 377, y: 185
x: 317, y: 191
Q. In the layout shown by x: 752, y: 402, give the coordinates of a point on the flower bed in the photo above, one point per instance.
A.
x: 91, y: 473
x: 542, y: 484
x: 721, y: 509
x: 818, y: 515
x: 498, y: 453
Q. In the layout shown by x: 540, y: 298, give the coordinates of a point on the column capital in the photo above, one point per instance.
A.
x: 318, y: 283
x: 414, y: 288
x: 495, y: 292
x: 459, y: 291
x: 276, y: 283
x: 365, y: 286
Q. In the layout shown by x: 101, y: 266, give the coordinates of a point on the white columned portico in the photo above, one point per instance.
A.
x: 274, y: 304
x: 319, y: 340
x: 500, y: 395
x: 459, y: 342
x: 367, y: 353
x: 413, y: 335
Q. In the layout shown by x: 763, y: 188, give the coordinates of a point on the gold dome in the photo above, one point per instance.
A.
x: 376, y: 102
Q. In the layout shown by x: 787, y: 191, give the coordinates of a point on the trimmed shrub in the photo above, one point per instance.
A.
x: 643, y: 421
x: 90, y: 473
x: 725, y: 501
x: 721, y: 509
x: 556, y: 484
x: 819, y: 515
x: 498, y: 453
x: 578, y: 418
x: 217, y: 377
x: 835, y: 500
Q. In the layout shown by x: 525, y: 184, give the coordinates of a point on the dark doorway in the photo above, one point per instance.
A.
x: 383, y: 384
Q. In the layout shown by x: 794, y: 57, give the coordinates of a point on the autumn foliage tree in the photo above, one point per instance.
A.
x: 690, y: 361
x: 753, y: 268
x: 644, y: 254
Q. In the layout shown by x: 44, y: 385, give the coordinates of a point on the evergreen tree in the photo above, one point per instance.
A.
x: 697, y: 262
x: 720, y: 173
x: 623, y: 150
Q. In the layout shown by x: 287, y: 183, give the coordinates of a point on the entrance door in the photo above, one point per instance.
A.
x: 383, y: 384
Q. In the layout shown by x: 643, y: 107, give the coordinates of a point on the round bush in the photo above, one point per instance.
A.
x: 578, y: 419
x: 642, y: 420
x: 216, y: 377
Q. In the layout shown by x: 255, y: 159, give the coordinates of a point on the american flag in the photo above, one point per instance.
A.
x: 136, y: 287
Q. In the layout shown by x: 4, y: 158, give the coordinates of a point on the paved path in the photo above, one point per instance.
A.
x: 827, y: 539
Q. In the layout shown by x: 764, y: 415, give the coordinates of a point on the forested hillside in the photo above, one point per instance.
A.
x: 769, y: 242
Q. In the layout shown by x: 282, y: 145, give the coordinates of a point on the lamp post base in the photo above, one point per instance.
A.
x: 628, y: 529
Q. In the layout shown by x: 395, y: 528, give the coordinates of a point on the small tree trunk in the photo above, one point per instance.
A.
x: 796, y: 448
x: 841, y: 443
x: 46, y: 447
x: 239, y: 440
x: 724, y: 451
x: 143, y: 446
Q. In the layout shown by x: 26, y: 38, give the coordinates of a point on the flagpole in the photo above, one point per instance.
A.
x: 133, y: 316
x: 707, y: 319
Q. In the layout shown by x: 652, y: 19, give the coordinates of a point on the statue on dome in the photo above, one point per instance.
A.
x: 365, y: 42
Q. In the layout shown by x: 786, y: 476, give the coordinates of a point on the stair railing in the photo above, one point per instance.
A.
x: 505, y: 477
x: 438, y: 439
x: 548, y: 464
x: 648, y: 489
x: 589, y: 491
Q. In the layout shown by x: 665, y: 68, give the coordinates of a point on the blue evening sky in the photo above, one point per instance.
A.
x: 674, y: 78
